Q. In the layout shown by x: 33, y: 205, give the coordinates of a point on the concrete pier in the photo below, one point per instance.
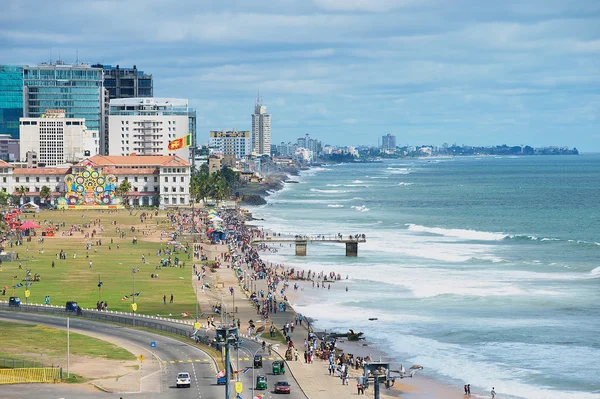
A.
x: 302, y: 241
x: 301, y: 248
x: 352, y: 248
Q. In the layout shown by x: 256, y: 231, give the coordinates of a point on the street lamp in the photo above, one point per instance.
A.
x: 252, y: 360
x: 133, y: 306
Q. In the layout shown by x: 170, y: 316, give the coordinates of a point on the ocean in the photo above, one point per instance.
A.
x: 485, y: 270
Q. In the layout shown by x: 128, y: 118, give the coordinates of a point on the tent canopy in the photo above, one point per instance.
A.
x: 29, y: 225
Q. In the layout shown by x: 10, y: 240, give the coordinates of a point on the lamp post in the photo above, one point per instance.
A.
x: 133, y: 295
x: 252, y: 359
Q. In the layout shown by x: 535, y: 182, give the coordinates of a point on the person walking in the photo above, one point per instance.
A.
x: 164, y: 299
x: 90, y: 264
x: 468, y: 389
x: 171, y: 298
x: 493, y: 392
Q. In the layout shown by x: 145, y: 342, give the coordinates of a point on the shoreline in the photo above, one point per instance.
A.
x: 421, y: 386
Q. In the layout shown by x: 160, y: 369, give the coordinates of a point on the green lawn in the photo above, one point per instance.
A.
x: 18, y: 339
x: 73, y: 280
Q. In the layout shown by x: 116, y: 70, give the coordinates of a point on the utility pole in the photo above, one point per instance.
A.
x: 68, y: 348
x: 133, y: 295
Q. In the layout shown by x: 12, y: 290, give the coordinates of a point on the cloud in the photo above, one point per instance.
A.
x: 455, y: 70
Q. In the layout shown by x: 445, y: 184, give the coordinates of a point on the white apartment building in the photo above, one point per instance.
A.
x: 56, y: 139
x: 231, y: 142
x: 145, y: 126
x: 153, y: 179
x: 261, y: 130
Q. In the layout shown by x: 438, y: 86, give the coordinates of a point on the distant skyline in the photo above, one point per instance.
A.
x: 345, y: 71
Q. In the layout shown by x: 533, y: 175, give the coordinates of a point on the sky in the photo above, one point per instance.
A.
x: 475, y: 72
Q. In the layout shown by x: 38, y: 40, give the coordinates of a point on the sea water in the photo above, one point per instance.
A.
x: 485, y: 270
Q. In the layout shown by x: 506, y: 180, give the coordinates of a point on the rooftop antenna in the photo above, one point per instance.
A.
x: 77, y: 56
x: 258, y: 99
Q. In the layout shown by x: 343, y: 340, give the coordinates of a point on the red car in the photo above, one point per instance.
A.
x: 282, y: 387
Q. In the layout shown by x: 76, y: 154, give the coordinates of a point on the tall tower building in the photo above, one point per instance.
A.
x: 261, y: 129
x: 76, y: 89
x: 11, y: 99
x: 388, y: 142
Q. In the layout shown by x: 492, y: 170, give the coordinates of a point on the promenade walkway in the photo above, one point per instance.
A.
x: 313, y: 378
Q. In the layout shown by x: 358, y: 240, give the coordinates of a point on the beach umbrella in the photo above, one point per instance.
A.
x: 29, y: 225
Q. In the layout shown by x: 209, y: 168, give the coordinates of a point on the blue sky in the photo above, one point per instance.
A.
x: 346, y: 71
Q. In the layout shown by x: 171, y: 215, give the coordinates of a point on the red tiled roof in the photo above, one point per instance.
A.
x: 129, y: 171
x: 37, y: 193
x: 41, y: 171
x: 4, y: 164
x: 135, y: 160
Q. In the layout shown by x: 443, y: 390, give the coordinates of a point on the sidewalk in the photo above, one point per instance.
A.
x: 314, y: 378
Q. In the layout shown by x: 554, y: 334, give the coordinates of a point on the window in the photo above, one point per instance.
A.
x: 145, y: 178
x: 16, y: 179
x: 135, y: 179
x: 4, y: 180
x: 27, y: 180
x: 166, y: 179
x: 173, y: 189
x: 174, y: 179
x: 182, y: 179
x: 57, y: 179
x: 47, y: 180
x: 181, y: 189
x: 155, y: 178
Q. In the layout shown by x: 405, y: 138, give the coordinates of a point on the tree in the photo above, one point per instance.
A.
x: 45, y: 193
x: 21, y: 191
x: 219, y: 189
x: 4, y: 198
x: 124, y: 189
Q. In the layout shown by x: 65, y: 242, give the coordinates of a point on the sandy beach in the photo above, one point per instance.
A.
x: 234, y: 289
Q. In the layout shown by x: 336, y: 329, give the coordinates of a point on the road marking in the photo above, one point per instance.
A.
x: 172, y: 361
x: 180, y: 361
x: 189, y: 360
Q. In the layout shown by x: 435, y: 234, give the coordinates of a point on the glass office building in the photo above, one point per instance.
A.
x: 76, y: 89
x: 126, y: 82
x: 11, y: 99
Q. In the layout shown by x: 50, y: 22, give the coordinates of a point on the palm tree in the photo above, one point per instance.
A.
x: 45, y: 193
x: 4, y: 198
x: 219, y: 189
x: 21, y: 191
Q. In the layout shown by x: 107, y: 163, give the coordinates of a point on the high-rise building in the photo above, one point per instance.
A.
x: 126, y: 82
x: 76, y: 89
x: 261, y: 130
x: 388, y: 142
x: 232, y: 142
x: 9, y: 148
x: 145, y: 126
x: 57, y: 140
x: 11, y: 99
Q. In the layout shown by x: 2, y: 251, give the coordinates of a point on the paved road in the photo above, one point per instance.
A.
x: 174, y: 356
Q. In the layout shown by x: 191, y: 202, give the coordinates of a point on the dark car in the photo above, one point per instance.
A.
x: 282, y: 387
x: 257, y: 361
x: 71, y: 306
x: 14, y: 301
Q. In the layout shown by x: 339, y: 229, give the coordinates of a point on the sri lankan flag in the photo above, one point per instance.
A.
x: 180, y: 142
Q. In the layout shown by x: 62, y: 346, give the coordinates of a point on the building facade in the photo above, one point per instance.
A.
x: 11, y: 99
x: 145, y: 126
x: 388, y: 142
x: 126, y: 82
x: 237, y: 143
x: 153, y: 179
x: 77, y: 89
x: 56, y: 139
x: 9, y: 148
x: 261, y: 130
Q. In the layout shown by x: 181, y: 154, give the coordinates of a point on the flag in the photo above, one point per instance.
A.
x: 185, y: 314
x: 180, y: 142
x: 221, y: 374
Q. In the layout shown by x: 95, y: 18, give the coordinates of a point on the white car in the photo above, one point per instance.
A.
x: 184, y: 380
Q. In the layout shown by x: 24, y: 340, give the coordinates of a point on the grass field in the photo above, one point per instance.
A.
x: 73, y: 279
x: 18, y: 339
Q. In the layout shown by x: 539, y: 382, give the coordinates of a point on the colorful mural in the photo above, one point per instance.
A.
x: 90, y: 189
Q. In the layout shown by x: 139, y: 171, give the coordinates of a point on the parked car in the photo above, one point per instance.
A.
x: 184, y: 380
x: 14, y: 301
x: 282, y: 387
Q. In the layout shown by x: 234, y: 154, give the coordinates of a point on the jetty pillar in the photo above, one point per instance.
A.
x: 352, y: 248
x: 301, y: 248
